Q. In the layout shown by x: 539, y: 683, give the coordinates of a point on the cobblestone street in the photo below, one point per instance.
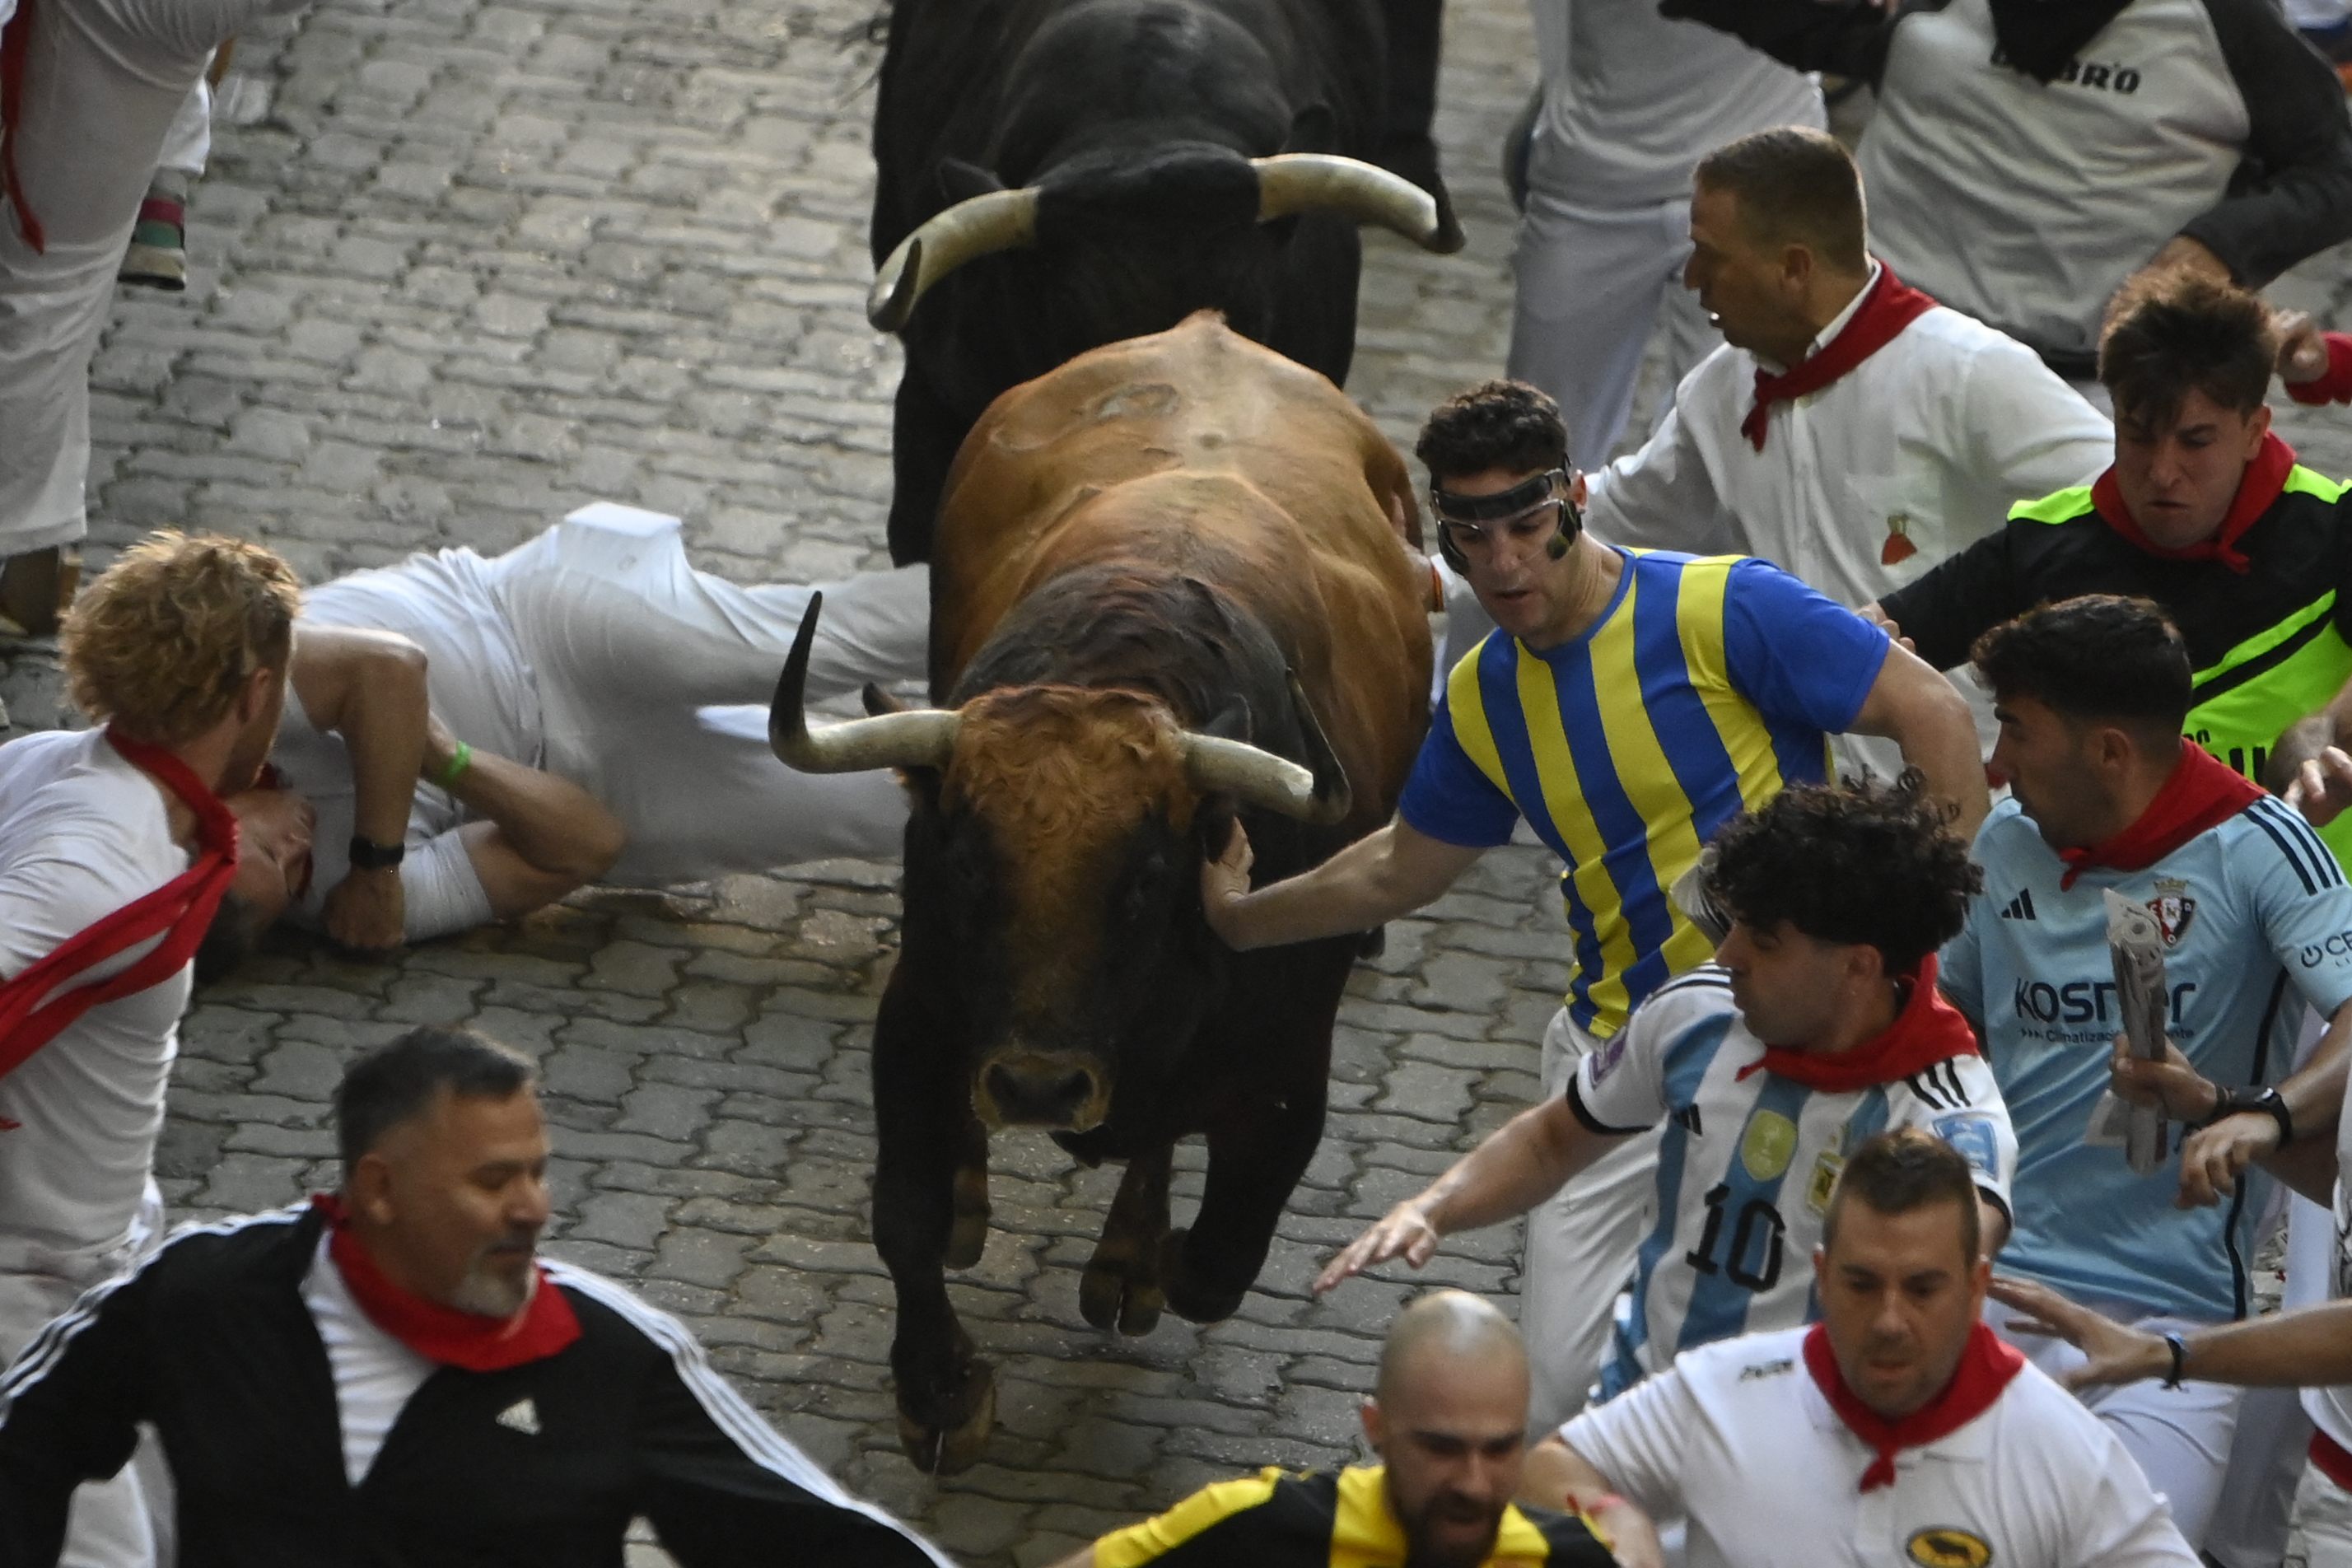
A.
x: 461, y: 266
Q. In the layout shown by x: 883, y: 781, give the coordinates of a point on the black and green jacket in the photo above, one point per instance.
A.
x: 2269, y: 645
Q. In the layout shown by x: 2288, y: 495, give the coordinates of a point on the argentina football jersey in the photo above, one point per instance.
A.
x: 1746, y: 1161
x: 2257, y: 922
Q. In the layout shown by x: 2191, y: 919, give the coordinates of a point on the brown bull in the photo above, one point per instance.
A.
x: 1167, y: 588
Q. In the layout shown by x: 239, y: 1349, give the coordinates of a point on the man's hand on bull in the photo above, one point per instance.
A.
x: 367, y: 910
x: 1406, y: 1232
x: 1225, y: 881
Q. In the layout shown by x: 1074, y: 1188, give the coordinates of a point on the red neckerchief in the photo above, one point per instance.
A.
x: 1926, y: 1031
x: 2335, y: 386
x: 181, y: 910
x: 16, y: 44
x: 2264, y: 478
x: 1889, y: 307
x: 1986, y: 1366
x: 2201, y: 794
x: 444, y: 1334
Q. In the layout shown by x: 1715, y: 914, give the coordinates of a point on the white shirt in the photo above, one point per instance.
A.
x: 82, y: 834
x: 1746, y: 1161
x: 1934, y: 438
x: 2330, y: 1409
x: 374, y: 1374
x: 1632, y: 100
x: 1737, y: 1439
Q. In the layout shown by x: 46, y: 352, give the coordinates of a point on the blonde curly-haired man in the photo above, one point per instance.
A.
x: 178, y: 653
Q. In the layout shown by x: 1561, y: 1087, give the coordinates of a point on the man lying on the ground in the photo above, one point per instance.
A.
x: 1449, y: 1423
x: 477, y: 738
x: 1899, y: 1422
x: 389, y: 1372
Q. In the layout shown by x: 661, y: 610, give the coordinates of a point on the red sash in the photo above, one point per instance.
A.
x: 1986, y: 1367
x: 2201, y: 794
x: 2264, y: 478
x: 444, y: 1334
x: 15, y: 43
x: 1928, y: 1030
x: 1891, y: 305
x: 183, y: 908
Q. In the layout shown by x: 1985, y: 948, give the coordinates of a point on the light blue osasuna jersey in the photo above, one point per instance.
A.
x: 2258, y: 922
x: 1746, y: 1164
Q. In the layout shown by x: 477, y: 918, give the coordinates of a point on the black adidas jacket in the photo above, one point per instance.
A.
x: 211, y: 1341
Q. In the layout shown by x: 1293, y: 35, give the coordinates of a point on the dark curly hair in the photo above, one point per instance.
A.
x: 1493, y: 425
x: 1862, y: 862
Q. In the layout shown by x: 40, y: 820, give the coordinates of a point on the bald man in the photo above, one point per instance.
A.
x: 1448, y: 1423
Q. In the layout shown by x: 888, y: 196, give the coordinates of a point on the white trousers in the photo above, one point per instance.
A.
x: 2180, y: 1436
x: 1592, y: 284
x: 104, y: 81
x: 2320, y: 1535
x: 653, y: 682
x: 1581, y: 1250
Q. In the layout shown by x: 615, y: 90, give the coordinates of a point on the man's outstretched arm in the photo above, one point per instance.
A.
x: 1522, y: 1163
x: 1378, y: 878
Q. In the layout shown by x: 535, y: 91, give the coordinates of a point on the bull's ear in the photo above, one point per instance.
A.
x: 960, y: 181
x: 1313, y: 130
x: 1232, y: 724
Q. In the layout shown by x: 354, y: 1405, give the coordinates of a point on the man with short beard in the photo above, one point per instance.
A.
x: 1899, y: 1426
x: 1448, y: 1423
x: 388, y: 1371
x: 115, y: 849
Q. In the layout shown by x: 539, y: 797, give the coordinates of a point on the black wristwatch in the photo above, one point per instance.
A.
x: 367, y: 855
x: 2229, y: 1102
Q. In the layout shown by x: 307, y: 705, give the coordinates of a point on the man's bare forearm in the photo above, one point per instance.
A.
x: 2309, y: 1347
x: 1520, y: 1165
x: 553, y: 824
x: 1379, y: 877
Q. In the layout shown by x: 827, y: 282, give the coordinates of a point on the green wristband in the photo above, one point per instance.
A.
x: 454, y: 768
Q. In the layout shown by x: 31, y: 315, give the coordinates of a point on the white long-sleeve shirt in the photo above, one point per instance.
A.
x: 1934, y: 437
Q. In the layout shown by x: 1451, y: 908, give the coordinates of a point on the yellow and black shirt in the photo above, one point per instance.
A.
x: 1278, y: 1518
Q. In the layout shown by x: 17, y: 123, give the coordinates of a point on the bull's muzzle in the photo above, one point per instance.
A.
x: 1023, y: 1088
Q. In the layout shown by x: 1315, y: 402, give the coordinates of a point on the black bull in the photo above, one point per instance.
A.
x: 1136, y: 554
x: 1080, y: 172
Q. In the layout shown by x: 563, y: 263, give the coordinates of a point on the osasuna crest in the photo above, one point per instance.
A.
x: 2173, y: 908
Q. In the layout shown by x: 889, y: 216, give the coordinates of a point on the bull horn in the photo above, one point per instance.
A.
x: 973, y: 227
x: 1255, y: 777
x: 919, y: 738
x: 1291, y: 183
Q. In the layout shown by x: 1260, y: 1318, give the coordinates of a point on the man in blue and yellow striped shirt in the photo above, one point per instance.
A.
x: 1629, y: 703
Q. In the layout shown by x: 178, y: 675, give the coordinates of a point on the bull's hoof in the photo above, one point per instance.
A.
x: 967, y: 1240
x: 1119, y: 1292
x: 943, y: 1449
x: 1194, y: 1301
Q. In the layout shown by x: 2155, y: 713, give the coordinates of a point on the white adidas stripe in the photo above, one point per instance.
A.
x: 38, y: 1358
x: 766, y: 1446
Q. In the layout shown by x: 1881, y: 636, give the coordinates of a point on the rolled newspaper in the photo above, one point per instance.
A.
x: 2136, y: 943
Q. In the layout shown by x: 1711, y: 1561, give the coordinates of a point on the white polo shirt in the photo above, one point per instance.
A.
x: 1737, y: 1439
x: 1931, y: 440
